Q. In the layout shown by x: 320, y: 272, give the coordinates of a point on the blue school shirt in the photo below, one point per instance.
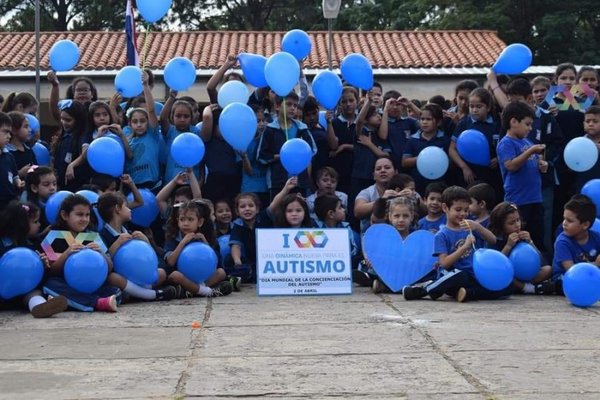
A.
x: 525, y: 185
x: 364, y: 159
x: 567, y: 249
x: 489, y: 127
x: 144, y: 165
x: 447, y: 241
x: 109, y: 235
x: 220, y: 157
x: 172, y: 243
x: 257, y: 182
x: 246, y: 237
x: 270, y: 144
x: 399, y: 131
x: 172, y: 168
x: 22, y: 158
x: 321, y: 159
x: 545, y: 130
x: 432, y: 226
x: 345, y: 132
x: 415, y: 145
x: 8, y: 174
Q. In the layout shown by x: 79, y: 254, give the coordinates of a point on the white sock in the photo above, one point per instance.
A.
x: 35, y: 301
x: 529, y: 288
x: 204, y: 290
x: 140, y: 292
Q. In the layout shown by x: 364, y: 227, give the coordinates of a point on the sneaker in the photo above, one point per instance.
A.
x: 108, y: 304
x: 379, y: 287
x: 462, y: 295
x: 166, y: 293
x: 448, y: 283
x: 361, y: 278
x: 236, y: 283
x: 545, y: 288
x: 223, y: 289
x: 413, y: 292
x: 181, y: 293
x: 53, y: 305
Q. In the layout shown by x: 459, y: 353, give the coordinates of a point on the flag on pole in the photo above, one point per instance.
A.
x: 133, y: 57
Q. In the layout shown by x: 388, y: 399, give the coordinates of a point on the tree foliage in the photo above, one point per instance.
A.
x: 556, y: 30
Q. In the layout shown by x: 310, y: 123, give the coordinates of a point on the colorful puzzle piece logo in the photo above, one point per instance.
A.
x: 580, y: 97
x: 48, y: 244
x: 306, y: 240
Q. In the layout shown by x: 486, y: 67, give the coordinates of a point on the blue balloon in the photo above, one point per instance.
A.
x: 153, y: 10
x: 180, y: 74
x: 224, y: 246
x: 42, y: 155
x: 187, y: 149
x: 106, y: 156
x: 493, y: 270
x: 238, y: 125
x: 581, y: 154
x: 21, y: 270
x: 34, y: 124
x: 526, y: 261
x: 137, y: 261
x: 53, y: 205
x: 233, y: 92
x: 592, y: 190
x: 356, y: 70
x: 323, y: 119
x: 581, y: 284
x: 253, y: 67
x: 64, y: 55
x: 404, y: 261
x: 197, y: 261
x: 513, y: 60
x: 92, y: 197
x: 128, y: 82
x: 295, y: 156
x: 327, y: 88
x: 432, y: 162
x: 297, y: 43
x: 473, y: 147
x: 86, y: 270
x: 145, y: 214
x: 596, y: 226
x: 282, y: 73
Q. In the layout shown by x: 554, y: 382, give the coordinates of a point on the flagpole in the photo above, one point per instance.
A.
x: 37, y: 50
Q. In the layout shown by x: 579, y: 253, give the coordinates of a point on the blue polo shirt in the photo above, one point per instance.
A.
x: 447, y: 241
x: 545, y: 130
x: 399, y: 132
x: 567, y: 249
x: 257, y: 182
x: 321, y: 159
x: 220, y: 157
x: 22, y: 158
x: 270, y: 145
x: 109, y: 235
x: 525, y: 185
x: 144, y: 166
x: 364, y: 159
x: 432, y: 226
x: 8, y: 173
x: 345, y: 132
x: 245, y: 237
x: 172, y: 168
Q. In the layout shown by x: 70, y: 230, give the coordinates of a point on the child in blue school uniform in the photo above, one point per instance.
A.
x: 479, y: 118
x: 521, y: 164
x: 396, y: 128
x: 115, y: 213
x: 276, y: 134
x: 145, y: 141
x: 9, y: 176
x: 72, y: 139
x: 176, y: 118
x: 577, y: 243
x: 454, y: 246
x: 74, y: 216
x: 223, y: 217
x: 435, y: 217
x: 429, y: 135
x: 331, y: 214
x: 254, y: 173
x: 344, y: 129
x: 22, y: 153
x: 324, y: 136
x: 19, y: 226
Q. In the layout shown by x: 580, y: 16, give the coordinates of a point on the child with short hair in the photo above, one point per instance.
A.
x: 521, y: 163
x: 9, y: 181
x: 433, y: 201
x: 577, y: 243
x: 276, y: 134
x: 327, y: 179
x: 483, y: 200
x: 591, y: 126
x: 455, y: 246
x: 324, y: 136
x: 331, y: 214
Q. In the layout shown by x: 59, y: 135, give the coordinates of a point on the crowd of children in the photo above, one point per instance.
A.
x: 364, y: 171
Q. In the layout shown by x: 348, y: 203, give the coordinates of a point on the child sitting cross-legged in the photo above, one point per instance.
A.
x: 454, y: 246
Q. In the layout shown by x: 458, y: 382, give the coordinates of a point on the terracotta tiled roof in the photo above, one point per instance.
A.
x: 385, y: 49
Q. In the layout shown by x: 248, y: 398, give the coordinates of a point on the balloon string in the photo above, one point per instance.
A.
x: 145, y: 50
x: 471, y: 233
x: 285, y: 122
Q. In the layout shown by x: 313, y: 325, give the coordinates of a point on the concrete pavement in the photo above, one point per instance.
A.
x: 364, y: 345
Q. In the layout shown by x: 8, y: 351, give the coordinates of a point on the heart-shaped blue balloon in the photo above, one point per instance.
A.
x: 397, y: 262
